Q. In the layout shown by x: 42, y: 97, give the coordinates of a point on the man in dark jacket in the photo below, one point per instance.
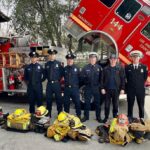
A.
x: 91, y: 77
x: 136, y: 75
x: 113, y: 84
x: 34, y: 76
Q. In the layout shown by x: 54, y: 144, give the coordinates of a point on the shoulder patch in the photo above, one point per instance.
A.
x: 75, y: 69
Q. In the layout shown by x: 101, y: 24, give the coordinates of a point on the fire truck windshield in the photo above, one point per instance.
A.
x: 108, y: 3
x: 128, y: 9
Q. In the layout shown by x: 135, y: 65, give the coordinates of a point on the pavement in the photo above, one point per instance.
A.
x: 10, y: 140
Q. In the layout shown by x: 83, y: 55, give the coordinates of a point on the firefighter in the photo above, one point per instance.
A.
x: 136, y: 75
x: 53, y: 73
x: 113, y: 84
x: 34, y: 76
x: 91, y: 77
x: 71, y: 78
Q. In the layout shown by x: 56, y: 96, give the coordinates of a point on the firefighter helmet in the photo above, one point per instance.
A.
x: 62, y: 116
x: 122, y: 120
x: 41, y: 112
x: 76, y: 123
x: 19, y: 112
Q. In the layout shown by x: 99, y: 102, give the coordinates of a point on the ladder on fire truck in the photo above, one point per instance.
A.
x: 12, y: 60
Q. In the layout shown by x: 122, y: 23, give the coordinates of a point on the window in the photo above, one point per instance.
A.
x: 146, y: 31
x: 146, y: 10
x: 108, y: 3
x: 74, y: 29
x: 128, y: 9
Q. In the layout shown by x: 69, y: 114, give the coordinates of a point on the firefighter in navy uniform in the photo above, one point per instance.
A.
x: 136, y: 75
x: 91, y: 78
x: 34, y: 76
x: 113, y: 84
x: 71, y: 78
x: 53, y: 73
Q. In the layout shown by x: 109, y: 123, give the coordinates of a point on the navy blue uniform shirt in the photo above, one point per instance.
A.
x: 53, y: 70
x: 34, y: 74
x: 71, y: 75
x: 91, y: 75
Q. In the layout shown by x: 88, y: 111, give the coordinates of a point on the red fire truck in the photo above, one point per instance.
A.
x: 14, y: 57
x: 117, y: 26
x: 12, y: 62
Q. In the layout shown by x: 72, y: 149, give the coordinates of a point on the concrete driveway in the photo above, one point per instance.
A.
x: 33, y: 141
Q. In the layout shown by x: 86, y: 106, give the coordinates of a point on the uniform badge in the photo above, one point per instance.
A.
x: 98, y: 69
x: 75, y: 69
x: 142, y: 70
x: 56, y: 65
x: 39, y: 67
x: 29, y: 69
x: 47, y: 66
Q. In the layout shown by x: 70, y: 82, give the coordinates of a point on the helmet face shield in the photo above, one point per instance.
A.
x: 122, y: 120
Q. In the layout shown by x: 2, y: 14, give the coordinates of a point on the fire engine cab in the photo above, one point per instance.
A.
x: 118, y: 26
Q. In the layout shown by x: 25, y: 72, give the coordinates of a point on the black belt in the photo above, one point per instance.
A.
x: 53, y: 81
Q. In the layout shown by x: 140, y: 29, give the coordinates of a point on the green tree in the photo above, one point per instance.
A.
x: 43, y: 17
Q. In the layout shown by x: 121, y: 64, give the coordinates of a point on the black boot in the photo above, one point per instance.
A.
x: 105, y: 120
x: 84, y: 119
x: 49, y: 115
x: 79, y: 117
x: 99, y: 119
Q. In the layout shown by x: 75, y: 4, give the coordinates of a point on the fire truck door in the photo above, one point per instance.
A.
x: 1, y: 80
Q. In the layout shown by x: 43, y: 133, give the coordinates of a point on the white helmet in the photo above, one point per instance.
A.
x: 93, y: 54
x: 136, y: 53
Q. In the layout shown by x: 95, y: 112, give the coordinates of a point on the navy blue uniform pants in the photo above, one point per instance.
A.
x: 35, y: 95
x: 88, y: 93
x: 140, y: 96
x: 72, y: 93
x: 53, y: 88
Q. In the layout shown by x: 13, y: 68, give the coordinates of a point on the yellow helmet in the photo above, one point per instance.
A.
x: 19, y: 112
x: 77, y: 123
x: 41, y: 111
x: 62, y: 116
